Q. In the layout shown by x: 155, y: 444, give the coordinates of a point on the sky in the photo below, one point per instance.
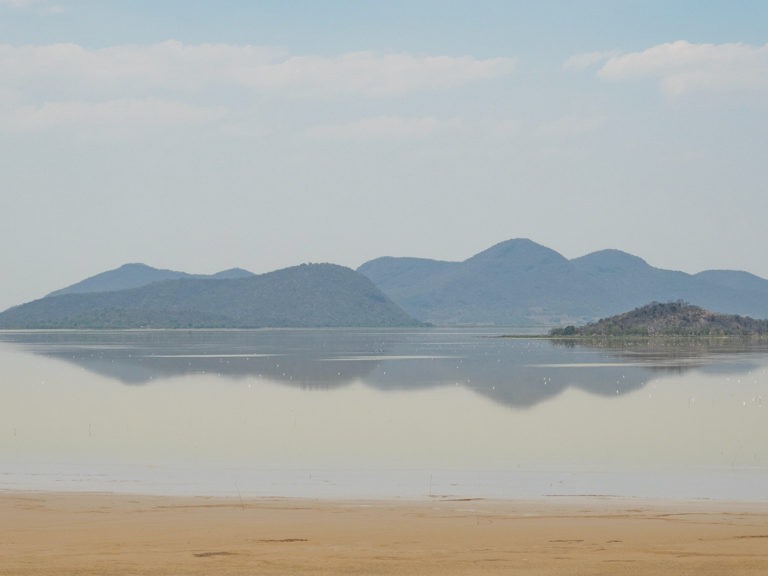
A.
x: 200, y: 136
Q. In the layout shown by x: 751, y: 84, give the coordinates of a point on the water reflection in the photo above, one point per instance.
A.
x: 513, y: 372
x: 380, y: 413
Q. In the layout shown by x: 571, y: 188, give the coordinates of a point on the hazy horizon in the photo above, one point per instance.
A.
x: 217, y: 270
x: 201, y: 137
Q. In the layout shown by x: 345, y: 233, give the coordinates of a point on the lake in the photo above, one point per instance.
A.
x: 381, y: 414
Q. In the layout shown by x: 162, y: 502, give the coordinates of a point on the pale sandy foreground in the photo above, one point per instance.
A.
x: 48, y: 533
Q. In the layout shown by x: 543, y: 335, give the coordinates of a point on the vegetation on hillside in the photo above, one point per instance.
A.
x: 669, y: 319
x: 310, y: 295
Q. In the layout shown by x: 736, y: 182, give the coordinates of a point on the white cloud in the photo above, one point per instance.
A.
x: 169, y: 64
x: 43, y: 6
x: 172, y: 65
x: 377, y: 128
x: 682, y: 67
x: 116, y: 114
x: 585, y: 60
x: 7, y: 96
x: 372, y: 74
x: 572, y: 124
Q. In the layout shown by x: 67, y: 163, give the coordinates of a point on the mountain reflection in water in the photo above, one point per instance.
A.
x: 515, y: 372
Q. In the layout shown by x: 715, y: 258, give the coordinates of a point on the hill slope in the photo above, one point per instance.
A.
x: 136, y: 275
x: 671, y: 318
x: 512, y: 282
x: 310, y: 295
x: 519, y: 281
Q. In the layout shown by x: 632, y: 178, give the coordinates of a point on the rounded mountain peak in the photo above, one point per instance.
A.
x: 135, y: 266
x: 518, y: 252
x: 610, y: 260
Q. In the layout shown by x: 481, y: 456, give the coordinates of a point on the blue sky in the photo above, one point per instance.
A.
x: 481, y: 28
x: 205, y: 135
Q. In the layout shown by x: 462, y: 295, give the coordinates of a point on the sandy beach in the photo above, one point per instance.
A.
x: 69, y: 533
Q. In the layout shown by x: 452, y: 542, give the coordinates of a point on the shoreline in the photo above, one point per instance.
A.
x: 116, y: 533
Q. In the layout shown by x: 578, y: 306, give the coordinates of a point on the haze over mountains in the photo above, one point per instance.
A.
x: 310, y: 295
x: 136, y: 275
x: 516, y: 282
x: 521, y: 282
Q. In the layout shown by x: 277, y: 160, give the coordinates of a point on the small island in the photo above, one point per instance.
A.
x: 668, y: 319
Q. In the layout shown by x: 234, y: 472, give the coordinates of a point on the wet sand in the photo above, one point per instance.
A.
x: 64, y: 533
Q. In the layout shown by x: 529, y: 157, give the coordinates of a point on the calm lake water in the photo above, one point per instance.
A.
x: 381, y: 413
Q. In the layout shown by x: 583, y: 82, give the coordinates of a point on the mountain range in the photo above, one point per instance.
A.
x: 516, y: 282
x: 521, y: 282
x: 309, y: 295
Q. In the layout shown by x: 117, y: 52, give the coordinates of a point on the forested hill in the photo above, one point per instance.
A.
x: 310, y: 295
x: 669, y: 319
